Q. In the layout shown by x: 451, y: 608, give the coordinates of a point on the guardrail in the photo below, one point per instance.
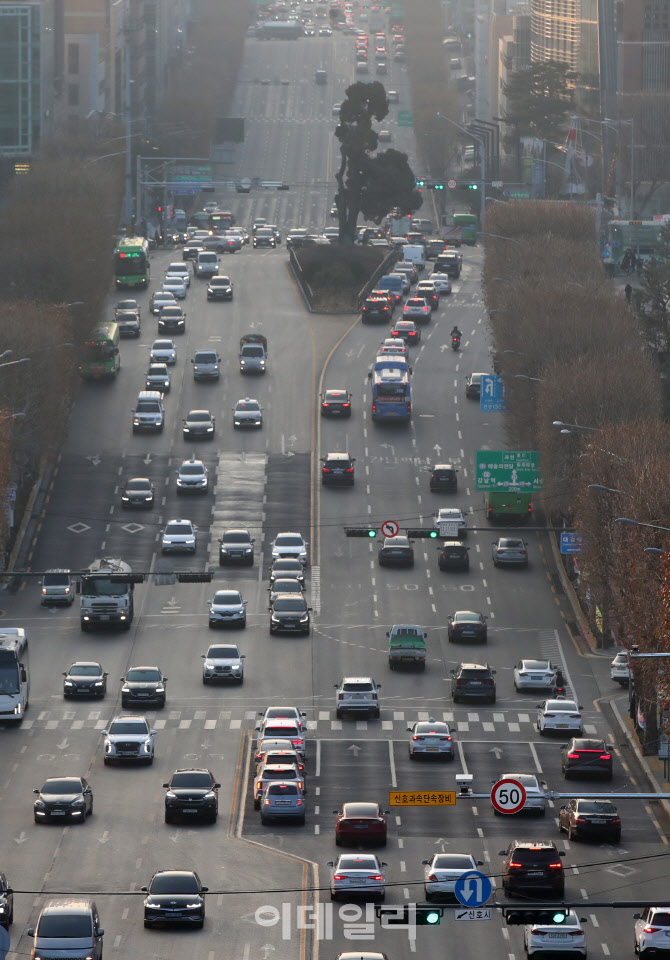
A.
x: 300, y: 277
x: 384, y: 267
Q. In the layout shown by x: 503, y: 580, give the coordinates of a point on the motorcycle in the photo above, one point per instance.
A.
x: 455, y: 343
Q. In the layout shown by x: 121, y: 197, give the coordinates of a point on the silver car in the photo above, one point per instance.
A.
x: 158, y: 378
x: 223, y: 662
x: 357, y: 875
x: 179, y: 536
x: 536, y: 802
x: 272, y: 772
x: 509, y: 552
x: 431, y: 738
x: 176, y: 286
x: 179, y: 270
x: 163, y: 351
x: 441, y: 872
x: 281, y: 801
x: 192, y: 477
x: 248, y: 413
x: 290, y: 545
x: 227, y: 608
x: 129, y: 738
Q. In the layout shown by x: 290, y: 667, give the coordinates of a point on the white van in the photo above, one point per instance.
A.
x: 149, y: 412
x: 416, y: 254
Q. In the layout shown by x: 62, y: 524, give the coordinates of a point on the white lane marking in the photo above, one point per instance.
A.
x: 394, y: 782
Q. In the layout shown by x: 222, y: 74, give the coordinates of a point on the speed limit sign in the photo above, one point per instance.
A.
x: 452, y: 184
x: 508, y: 795
x: 390, y: 528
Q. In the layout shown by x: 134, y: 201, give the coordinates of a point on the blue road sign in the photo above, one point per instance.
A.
x: 571, y: 543
x: 492, y: 393
x: 473, y: 888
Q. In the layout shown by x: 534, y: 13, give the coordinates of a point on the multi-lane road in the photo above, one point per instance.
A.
x: 268, y: 480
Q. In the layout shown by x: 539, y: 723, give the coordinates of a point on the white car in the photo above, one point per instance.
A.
x: 211, y: 206
x: 290, y: 713
x: 179, y: 536
x: 163, y: 351
x: 536, y: 801
x: 248, y: 413
x: 227, y: 607
x: 393, y: 346
x: 192, y: 477
x: 450, y: 522
x: 620, y: 668
x: 652, y: 931
x: 534, y: 675
x: 360, y: 876
x: 290, y: 545
x: 563, y: 938
x: 176, y: 286
x: 431, y: 738
x: 441, y: 282
x: 443, y: 870
x: 179, y: 270
x: 559, y: 714
x: 282, y: 728
x: 223, y: 662
x: 129, y: 739
x: 416, y: 307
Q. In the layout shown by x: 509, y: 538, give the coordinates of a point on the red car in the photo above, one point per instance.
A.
x: 360, y: 823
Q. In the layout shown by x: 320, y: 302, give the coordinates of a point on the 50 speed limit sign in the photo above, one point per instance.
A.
x: 508, y: 795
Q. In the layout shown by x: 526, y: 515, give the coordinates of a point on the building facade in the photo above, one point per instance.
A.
x: 644, y: 61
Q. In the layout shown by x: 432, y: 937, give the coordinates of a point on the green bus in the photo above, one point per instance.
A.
x: 100, y: 354
x: 640, y: 236
x: 131, y: 262
x: 468, y: 223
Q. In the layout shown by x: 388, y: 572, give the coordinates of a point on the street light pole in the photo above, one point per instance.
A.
x: 129, y: 157
x: 482, y: 157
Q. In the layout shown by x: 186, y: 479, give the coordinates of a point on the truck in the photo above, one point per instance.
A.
x: 106, y: 594
x: 407, y: 646
x: 506, y: 505
x: 253, y: 353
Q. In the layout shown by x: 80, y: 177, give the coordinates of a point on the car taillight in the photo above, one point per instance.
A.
x: 350, y: 470
x: 513, y: 865
x: 573, y: 756
x: 615, y: 820
x: 259, y: 785
x: 394, y: 333
x: 550, y: 716
x: 346, y: 404
x: 267, y: 803
x: 574, y: 933
x: 651, y: 929
x: 409, y: 407
x: 301, y: 784
x: 326, y: 470
x: 555, y: 866
x: 376, y: 876
x: 574, y: 716
x: 417, y: 738
x: 581, y: 820
x: 432, y: 876
x: 325, y: 404
x: 338, y: 876
x: 445, y: 738
x: 605, y: 756
x: 374, y: 407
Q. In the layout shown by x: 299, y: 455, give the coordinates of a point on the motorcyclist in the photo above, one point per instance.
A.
x: 558, y: 683
x: 456, y: 332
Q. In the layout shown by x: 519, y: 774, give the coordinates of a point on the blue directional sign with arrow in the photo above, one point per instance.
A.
x: 473, y: 888
x: 492, y: 398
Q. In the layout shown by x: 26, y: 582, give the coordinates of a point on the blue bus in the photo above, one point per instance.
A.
x: 391, y: 392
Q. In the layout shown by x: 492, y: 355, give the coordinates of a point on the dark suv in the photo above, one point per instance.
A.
x: 443, y: 478
x: 337, y: 469
x: 584, y: 757
x: 376, y: 308
x: 192, y: 794
x: 6, y: 902
x: 453, y: 555
x: 473, y: 681
x: 532, y: 869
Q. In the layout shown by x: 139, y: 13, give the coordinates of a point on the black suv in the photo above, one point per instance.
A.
x: 337, y: 469
x: 532, y: 869
x: 443, y: 478
x: 585, y: 757
x: 454, y: 555
x: 192, y: 794
x: 376, y: 308
x: 473, y: 681
x: 289, y: 614
x: 236, y: 546
x: 448, y: 263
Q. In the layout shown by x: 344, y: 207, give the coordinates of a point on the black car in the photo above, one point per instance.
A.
x: 453, y: 555
x: 85, y: 679
x: 138, y: 492
x: 443, y: 478
x: 434, y: 248
x: 376, y: 309
x: 192, y: 794
x: 287, y: 567
x: 219, y: 288
x: 264, y: 237
x: 198, y: 424
x: 6, y: 903
x: 336, y: 403
x: 473, y: 681
x: 532, y: 869
x: 142, y: 685
x: 337, y: 469
x: 175, y: 896
x: 289, y: 614
x: 586, y: 757
x: 467, y: 625
x: 396, y: 551
x: 63, y: 798
x: 236, y: 546
x: 590, y: 820
x: 448, y: 263
x: 171, y: 320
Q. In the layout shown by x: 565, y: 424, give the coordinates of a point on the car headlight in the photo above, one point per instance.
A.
x: 160, y: 688
x: 136, y: 420
x: 170, y: 795
x: 77, y: 803
x: 17, y: 709
x: 210, y: 795
x: 237, y: 423
x: 209, y: 665
x: 98, y: 683
x: 196, y: 369
x: 191, y: 906
x: 68, y: 683
x: 210, y: 429
x: 125, y: 498
x: 40, y: 804
x: 274, y: 619
x: 304, y: 619
x: 147, y: 746
x: 125, y: 688
x: 243, y: 363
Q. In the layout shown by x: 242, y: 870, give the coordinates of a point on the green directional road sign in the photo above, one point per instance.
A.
x: 514, y: 470
x: 405, y: 118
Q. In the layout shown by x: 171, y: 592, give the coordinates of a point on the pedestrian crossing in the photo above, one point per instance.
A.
x: 322, y: 723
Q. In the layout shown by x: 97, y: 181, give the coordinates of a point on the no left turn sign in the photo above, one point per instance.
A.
x: 508, y: 795
x: 390, y: 528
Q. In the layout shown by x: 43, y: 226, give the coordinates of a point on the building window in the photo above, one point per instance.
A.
x: 73, y: 58
x: 73, y: 94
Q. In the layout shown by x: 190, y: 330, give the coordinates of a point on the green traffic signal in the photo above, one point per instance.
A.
x: 439, y: 186
x: 372, y: 533
x: 432, y: 916
x: 421, y: 183
x: 535, y: 915
x: 360, y: 531
x: 473, y: 186
x: 560, y: 916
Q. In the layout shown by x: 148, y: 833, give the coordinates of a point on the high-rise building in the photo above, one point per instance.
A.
x: 644, y: 61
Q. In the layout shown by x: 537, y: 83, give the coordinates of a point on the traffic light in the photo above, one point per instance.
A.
x: 361, y: 532
x: 159, y: 209
x: 419, y: 915
x: 126, y: 577
x: 204, y: 577
x: 473, y: 186
x: 438, y: 186
x: 530, y: 915
x: 422, y: 534
x: 420, y: 183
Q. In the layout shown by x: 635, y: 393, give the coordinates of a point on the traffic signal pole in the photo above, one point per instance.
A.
x: 482, y: 157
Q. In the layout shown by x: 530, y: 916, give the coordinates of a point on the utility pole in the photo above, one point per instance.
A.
x: 129, y: 158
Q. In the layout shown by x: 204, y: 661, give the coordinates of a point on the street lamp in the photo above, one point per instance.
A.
x: 522, y: 376
x: 12, y: 416
x: 601, y: 486
x: 482, y: 191
x: 573, y: 426
x: 638, y: 523
x: 13, y: 363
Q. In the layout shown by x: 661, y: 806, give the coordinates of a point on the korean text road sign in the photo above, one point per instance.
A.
x: 571, y: 542
x: 422, y: 798
x: 516, y: 471
x: 483, y: 913
x: 508, y: 795
x: 405, y: 118
x: 492, y: 396
x: 390, y: 528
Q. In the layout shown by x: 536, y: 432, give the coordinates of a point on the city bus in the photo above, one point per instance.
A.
x: 391, y: 391
x: 468, y: 224
x: 221, y: 220
x: 14, y: 675
x: 640, y: 236
x: 100, y: 359
x: 131, y: 262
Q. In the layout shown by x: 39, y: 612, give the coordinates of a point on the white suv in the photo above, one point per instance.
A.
x: 129, y: 738
x: 290, y: 545
x: 357, y: 695
x: 652, y: 931
x: 620, y: 668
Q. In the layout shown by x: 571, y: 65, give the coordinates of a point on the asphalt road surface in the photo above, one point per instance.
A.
x: 268, y: 481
